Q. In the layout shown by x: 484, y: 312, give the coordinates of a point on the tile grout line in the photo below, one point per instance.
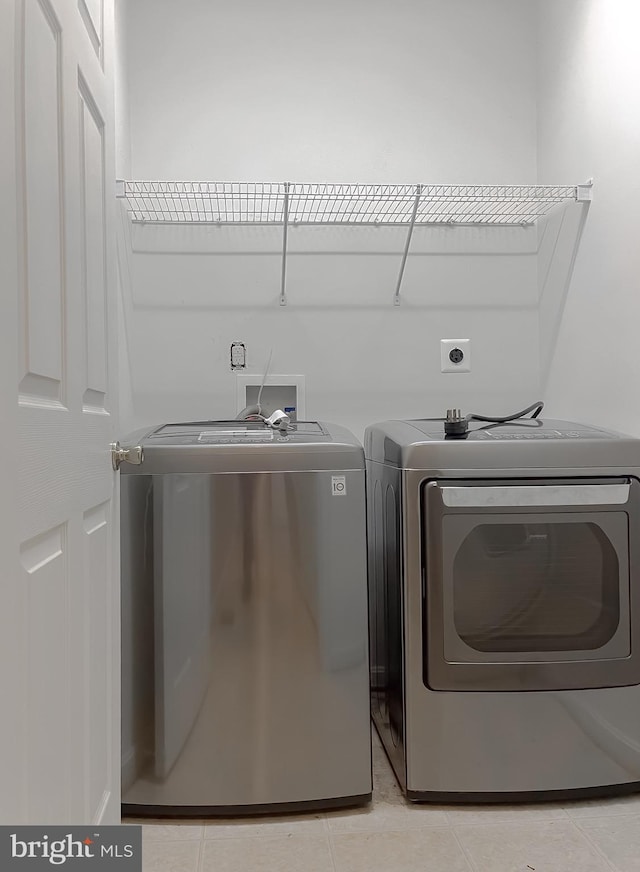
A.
x: 329, y: 834
x: 467, y: 856
x: 499, y: 821
x: 599, y: 817
x: 201, y: 852
x: 595, y: 847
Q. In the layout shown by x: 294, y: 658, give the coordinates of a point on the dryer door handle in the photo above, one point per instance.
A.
x: 536, y: 495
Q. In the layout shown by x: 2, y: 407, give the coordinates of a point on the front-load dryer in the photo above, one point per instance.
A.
x: 504, y: 588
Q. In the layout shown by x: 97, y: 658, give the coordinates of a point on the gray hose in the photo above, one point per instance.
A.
x: 248, y: 412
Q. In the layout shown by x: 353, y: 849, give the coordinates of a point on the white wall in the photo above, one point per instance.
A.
x: 343, y: 90
x: 589, y: 125
x: 417, y: 90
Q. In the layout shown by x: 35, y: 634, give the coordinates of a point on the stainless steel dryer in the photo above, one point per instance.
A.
x: 505, y: 608
x: 244, y: 620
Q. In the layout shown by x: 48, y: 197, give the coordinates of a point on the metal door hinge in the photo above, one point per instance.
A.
x: 120, y: 455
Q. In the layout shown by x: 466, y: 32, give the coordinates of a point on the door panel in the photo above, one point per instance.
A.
x: 59, y: 502
x: 97, y: 553
x: 91, y: 128
x: 45, y: 561
x: 42, y: 235
x: 92, y: 13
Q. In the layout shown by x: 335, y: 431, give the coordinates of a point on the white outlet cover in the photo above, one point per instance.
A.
x: 446, y: 347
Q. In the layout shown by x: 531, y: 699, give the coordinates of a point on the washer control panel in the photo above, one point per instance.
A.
x: 229, y: 437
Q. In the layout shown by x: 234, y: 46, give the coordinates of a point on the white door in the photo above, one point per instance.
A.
x: 59, y: 600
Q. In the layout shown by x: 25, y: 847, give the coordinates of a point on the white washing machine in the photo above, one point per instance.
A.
x: 504, y: 587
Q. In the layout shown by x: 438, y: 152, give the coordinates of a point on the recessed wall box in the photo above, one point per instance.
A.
x: 285, y: 392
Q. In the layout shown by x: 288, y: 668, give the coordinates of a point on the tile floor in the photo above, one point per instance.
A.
x: 392, y: 835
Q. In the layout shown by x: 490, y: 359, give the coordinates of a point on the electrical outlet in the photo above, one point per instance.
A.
x: 238, y: 355
x: 455, y: 355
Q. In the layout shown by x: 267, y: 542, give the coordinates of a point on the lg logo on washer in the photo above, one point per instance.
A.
x: 109, y: 848
x: 339, y: 485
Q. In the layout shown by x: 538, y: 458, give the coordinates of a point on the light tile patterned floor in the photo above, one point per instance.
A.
x: 392, y: 835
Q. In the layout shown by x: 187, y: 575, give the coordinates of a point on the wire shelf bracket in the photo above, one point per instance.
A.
x: 416, y: 203
x: 285, y: 226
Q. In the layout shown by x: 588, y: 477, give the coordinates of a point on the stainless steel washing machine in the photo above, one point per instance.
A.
x: 504, y: 579
x: 245, y: 679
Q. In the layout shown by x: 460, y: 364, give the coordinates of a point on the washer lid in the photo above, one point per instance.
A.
x: 244, y: 446
x: 236, y: 433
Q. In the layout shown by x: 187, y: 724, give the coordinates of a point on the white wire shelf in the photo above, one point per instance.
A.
x: 292, y: 204
x: 268, y: 203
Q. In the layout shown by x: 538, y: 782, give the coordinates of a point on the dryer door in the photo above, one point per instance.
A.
x: 528, y: 584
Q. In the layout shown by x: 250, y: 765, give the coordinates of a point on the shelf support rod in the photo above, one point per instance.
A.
x: 285, y: 221
x: 416, y: 203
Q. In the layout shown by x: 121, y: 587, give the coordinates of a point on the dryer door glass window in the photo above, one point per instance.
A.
x: 536, y: 587
x: 528, y: 584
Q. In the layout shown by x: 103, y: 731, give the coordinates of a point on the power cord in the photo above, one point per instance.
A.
x: 456, y: 424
